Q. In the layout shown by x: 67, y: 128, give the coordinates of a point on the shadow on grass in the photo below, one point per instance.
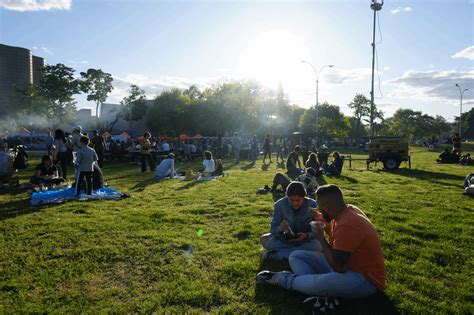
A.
x: 190, y: 185
x: 143, y: 184
x: 423, y: 174
x: 16, y: 208
x: 349, y: 179
x: 265, y: 167
x: 282, y: 301
x: 248, y: 166
x: 281, y: 165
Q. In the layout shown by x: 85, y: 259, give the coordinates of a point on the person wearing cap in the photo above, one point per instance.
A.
x: 351, y: 264
x: 290, y: 229
x: 76, y: 138
x: 166, y: 168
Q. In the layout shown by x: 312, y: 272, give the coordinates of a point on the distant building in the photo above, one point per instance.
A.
x: 18, y: 68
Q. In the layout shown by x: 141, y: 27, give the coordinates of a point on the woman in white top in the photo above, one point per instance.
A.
x: 209, y: 166
x: 61, y: 155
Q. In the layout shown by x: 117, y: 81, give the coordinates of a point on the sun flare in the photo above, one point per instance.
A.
x: 275, y: 56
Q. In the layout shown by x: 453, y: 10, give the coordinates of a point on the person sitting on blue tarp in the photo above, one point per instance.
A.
x: 46, y: 173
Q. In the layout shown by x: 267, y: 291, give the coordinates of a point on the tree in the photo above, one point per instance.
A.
x: 467, y: 124
x: 168, y: 115
x: 193, y: 93
x: 58, y: 85
x: 361, y: 106
x: 332, y: 124
x: 133, y: 107
x: 98, y: 85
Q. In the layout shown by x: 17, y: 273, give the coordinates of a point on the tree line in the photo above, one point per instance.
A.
x: 223, y: 108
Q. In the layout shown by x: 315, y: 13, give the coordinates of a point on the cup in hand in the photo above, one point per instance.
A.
x: 316, y: 226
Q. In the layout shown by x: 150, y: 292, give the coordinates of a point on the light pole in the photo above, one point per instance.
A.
x: 376, y: 6
x: 317, y: 73
x: 461, y: 93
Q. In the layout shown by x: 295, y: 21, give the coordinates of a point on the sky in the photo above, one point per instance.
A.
x: 424, y: 47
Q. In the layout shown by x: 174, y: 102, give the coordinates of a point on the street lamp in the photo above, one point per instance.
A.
x: 461, y: 93
x: 317, y: 73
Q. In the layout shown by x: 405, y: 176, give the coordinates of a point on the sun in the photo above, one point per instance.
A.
x: 275, y: 56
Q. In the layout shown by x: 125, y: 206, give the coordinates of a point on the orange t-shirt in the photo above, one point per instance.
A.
x: 353, y: 232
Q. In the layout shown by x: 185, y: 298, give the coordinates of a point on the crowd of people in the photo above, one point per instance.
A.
x: 347, y: 263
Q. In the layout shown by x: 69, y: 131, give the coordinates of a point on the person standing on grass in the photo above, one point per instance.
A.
x: 61, y: 152
x: 280, y: 144
x: 267, y: 148
x: 290, y: 229
x: 76, y: 138
x: 236, y: 145
x: 99, y: 147
x: 253, y: 149
x: 85, y: 160
x: 145, y: 147
x: 457, y: 143
x: 351, y: 264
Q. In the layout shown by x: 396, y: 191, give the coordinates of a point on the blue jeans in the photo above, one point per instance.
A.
x: 284, y: 249
x: 469, y: 180
x: 313, y: 276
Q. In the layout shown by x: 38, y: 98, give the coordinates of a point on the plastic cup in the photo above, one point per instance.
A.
x: 316, y: 226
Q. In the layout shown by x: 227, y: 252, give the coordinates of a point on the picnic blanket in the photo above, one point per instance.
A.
x: 39, y: 198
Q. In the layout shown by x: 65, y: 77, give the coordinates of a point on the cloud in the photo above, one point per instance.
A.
x: 84, y: 62
x: 35, y: 5
x: 433, y: 85
x: 400, y: 10
x: 467, y: 53
x: 153, y: 87
x: 46, y: 50
x: 340, y: 76
x: 35, y: 48
x: 386, y: 68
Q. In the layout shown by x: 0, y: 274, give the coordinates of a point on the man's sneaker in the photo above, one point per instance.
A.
x: 266, y: 277
x: 320, y: 304
x: 270, y: 277
x: 270, y: 256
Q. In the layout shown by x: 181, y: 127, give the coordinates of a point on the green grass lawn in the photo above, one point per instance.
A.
x: 144, y: 255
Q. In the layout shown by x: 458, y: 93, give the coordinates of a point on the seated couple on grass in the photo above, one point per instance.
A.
x: 211, y: 167
x: 46, y: 173
x: 349, y: 264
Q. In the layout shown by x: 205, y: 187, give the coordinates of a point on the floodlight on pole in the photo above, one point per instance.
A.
x: 461, y: 93
x: 376, y: 6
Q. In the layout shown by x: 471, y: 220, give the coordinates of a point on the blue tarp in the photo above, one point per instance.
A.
x: 39, y: 198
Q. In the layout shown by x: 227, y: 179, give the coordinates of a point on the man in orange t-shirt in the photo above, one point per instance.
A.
x: 351, y: 264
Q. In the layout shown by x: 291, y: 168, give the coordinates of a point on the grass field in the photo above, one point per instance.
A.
x: 144, y: 255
